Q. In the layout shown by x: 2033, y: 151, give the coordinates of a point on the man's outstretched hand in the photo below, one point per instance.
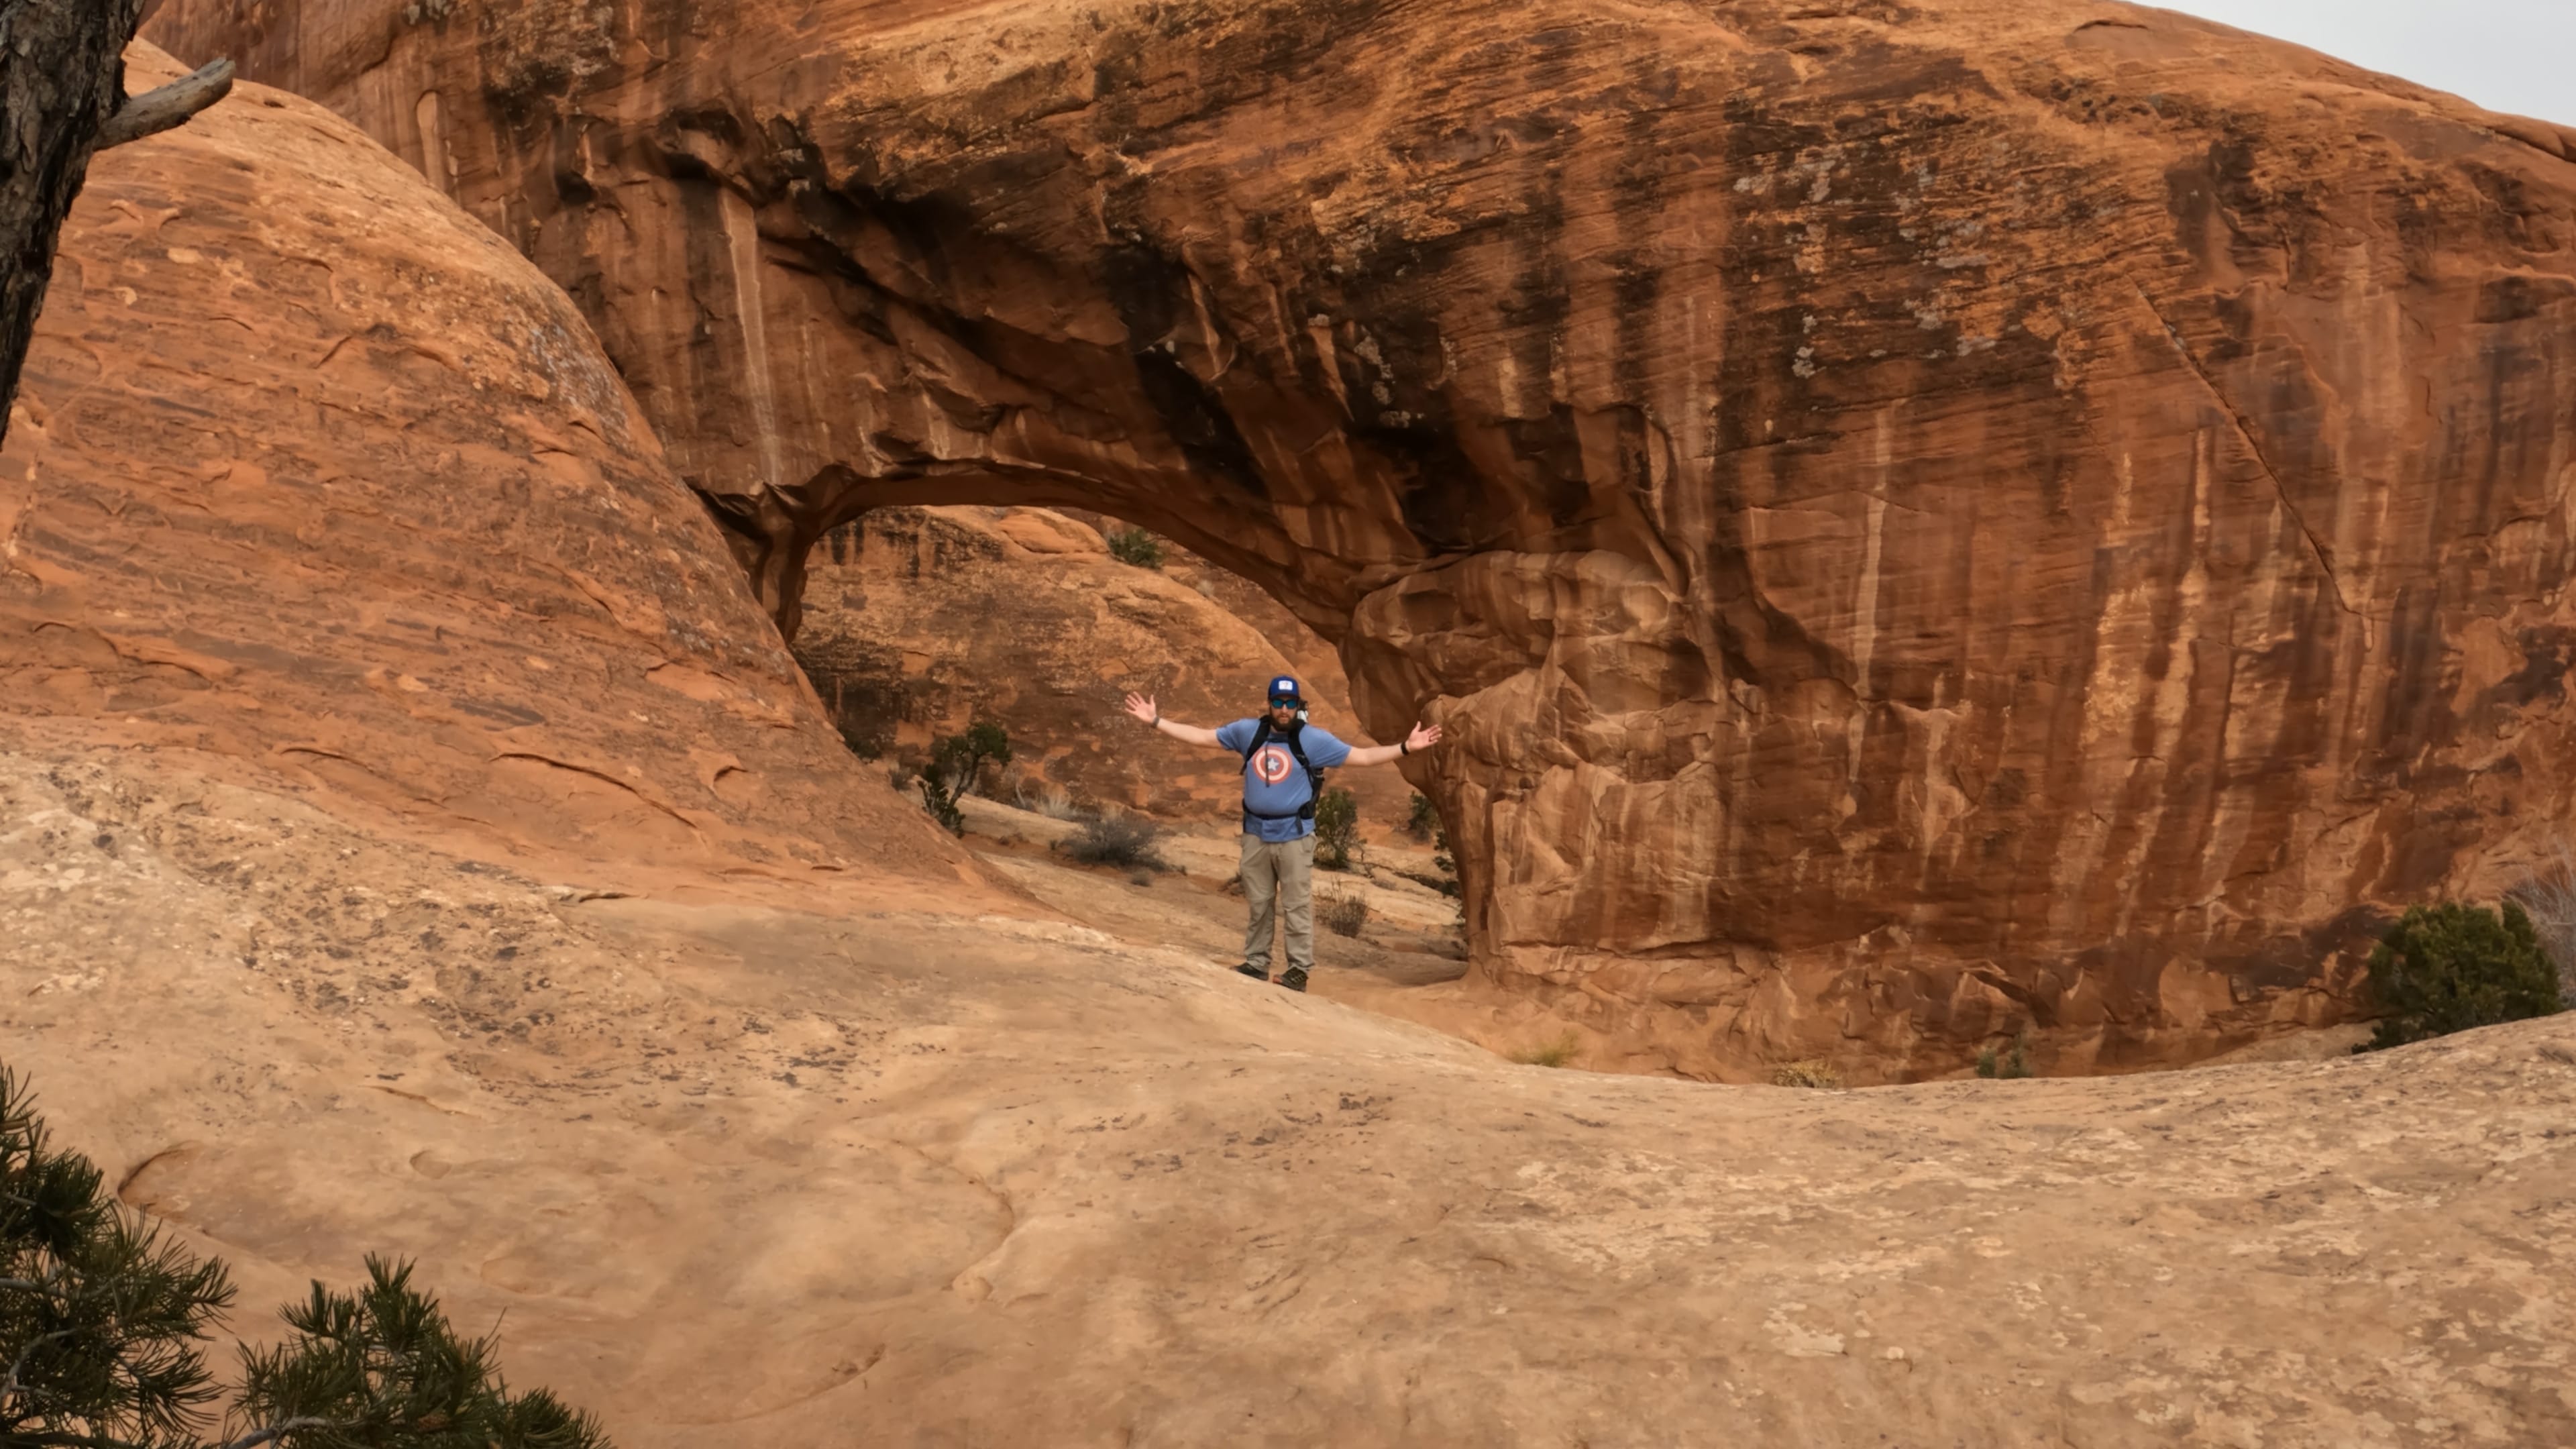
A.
x: 1422, y: 738
x: 1143, y: 707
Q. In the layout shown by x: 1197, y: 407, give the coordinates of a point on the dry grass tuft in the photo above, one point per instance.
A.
x: 1553, y: 1054
x: 1343, y: 913
x: 1814, y: 1072
x: 2549, y: 898
x: 1124, y: 841
x: 1048, y: 799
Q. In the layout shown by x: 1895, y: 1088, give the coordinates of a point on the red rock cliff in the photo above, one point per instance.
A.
x: 1921, y: 519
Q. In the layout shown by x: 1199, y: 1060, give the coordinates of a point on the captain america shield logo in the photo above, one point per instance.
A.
x: 1272, y: 765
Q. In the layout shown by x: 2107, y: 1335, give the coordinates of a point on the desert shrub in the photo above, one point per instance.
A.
x: 1135, y: 546
x: 956, y: 768
x: 1550, y: 1054
x: 1813, y: 1073
x: 1337, y: 830
x: 101, y: 1322
x: 1343, y: 913
x: 2549, y: 899
x: 2450, y: 967
x: 982, y: 750
x: 1125, y: 841
x: 1424, y: 818
x: 2011, y: 1066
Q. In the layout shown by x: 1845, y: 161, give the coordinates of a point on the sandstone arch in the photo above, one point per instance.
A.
x: 1923, y: 519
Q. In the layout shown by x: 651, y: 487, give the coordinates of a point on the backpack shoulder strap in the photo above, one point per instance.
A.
x: 1297, y: 747
x: 1263, y: 735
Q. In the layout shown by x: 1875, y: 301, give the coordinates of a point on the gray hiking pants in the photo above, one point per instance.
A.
x: 1284, y: 869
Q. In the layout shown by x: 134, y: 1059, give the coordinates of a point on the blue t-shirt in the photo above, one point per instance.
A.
x: 1273, y: 784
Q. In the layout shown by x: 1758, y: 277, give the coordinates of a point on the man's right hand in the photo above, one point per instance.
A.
x: 1144, y: 708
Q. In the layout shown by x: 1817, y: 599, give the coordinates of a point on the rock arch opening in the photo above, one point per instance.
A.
x: 1921, y: 527
x: 921, y: 621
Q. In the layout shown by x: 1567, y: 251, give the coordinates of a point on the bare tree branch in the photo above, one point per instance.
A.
x: 168, y: 107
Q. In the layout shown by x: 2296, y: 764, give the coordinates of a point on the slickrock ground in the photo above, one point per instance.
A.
x: 1923, y: 520
x: 920, y: 620
x: 855, y: 1177
x: 1408, y: 937
x: 741, y: 1151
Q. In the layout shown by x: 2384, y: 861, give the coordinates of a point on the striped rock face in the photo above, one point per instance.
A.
x: 1923, y: 522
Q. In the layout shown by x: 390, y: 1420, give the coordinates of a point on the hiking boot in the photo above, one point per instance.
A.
x: 1259, y: 974
x: 1294, y: 978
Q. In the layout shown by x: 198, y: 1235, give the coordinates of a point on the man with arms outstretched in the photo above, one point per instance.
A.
x: 1284, y: 759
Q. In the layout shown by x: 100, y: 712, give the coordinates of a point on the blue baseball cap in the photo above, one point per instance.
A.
x: 1285, y: 688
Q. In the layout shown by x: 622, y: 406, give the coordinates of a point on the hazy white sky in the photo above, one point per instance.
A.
x: 2506, y: 55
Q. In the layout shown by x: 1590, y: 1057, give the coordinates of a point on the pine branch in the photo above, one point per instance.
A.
x: 281, y: 1429
x: 9, y: 1388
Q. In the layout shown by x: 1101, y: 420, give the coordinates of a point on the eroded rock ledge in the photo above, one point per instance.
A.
x: 1921, y: 519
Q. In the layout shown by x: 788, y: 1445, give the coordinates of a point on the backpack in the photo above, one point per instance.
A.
x: 1314, y: 777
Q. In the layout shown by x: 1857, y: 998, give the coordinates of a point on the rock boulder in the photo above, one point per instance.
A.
x: 314, y: 479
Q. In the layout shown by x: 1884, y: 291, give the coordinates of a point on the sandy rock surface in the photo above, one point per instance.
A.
x: 850, y: 1177
x: 1187, y: 894
x: 1925, y: 521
